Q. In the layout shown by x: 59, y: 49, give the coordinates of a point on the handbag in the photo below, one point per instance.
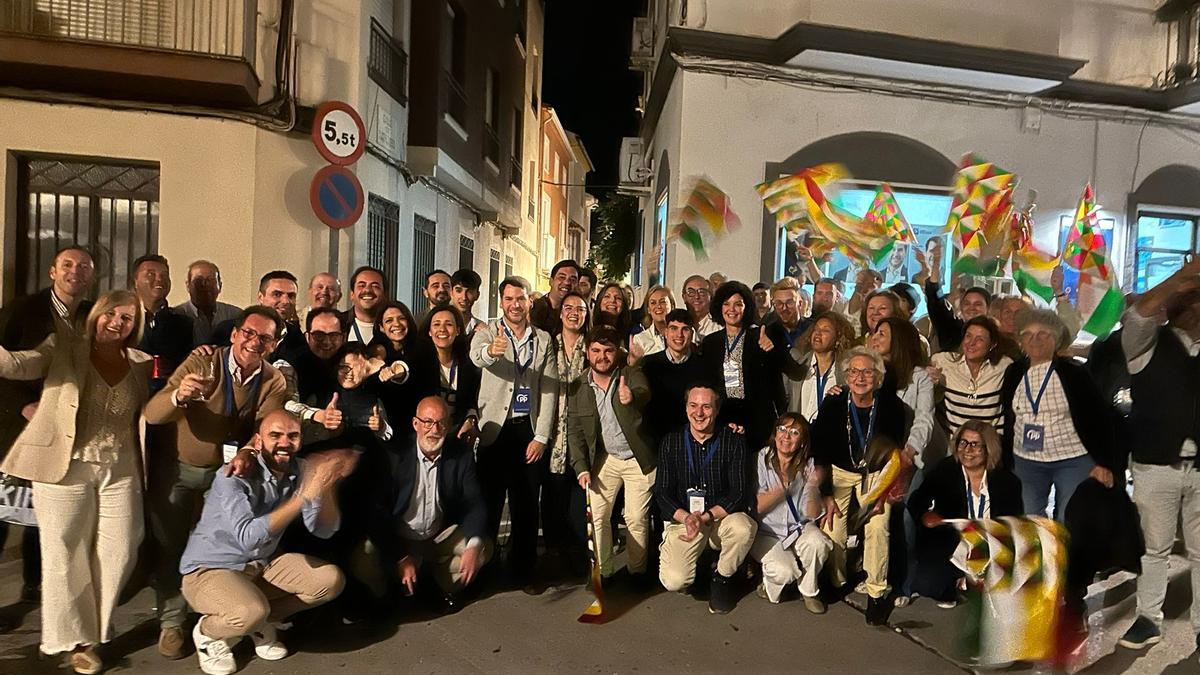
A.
x: 16, y: 501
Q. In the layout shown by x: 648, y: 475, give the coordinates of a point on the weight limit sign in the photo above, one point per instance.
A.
x: 338, y: 133
x: 336, y: 197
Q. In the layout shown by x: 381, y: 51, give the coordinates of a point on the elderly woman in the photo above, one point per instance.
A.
x: 1052, y: 426
x: 969, y: 484
x: 817, y: 351
x: 83, y: 453
x: 789, y: 544
x: 971, y: 378
x: 650, y: 336
x: 846, y: 425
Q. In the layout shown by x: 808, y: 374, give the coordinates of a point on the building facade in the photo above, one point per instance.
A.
x: 1062, y: 93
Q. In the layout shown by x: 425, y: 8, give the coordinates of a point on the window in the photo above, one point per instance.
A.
x: 1162, y: 241
x: 545, y: 152
x: 454, y: 62
x: 387, y: 63
x: 514, y: 159
x: 383, y: 234
x: 107, y: 206
x: 532, y: 190
x: 466, y: 252
x: 424, y: 241
x: 508, y: 265
x: 536, y: 76
x: 491, y: 117
x: 576, y: 244
x: 493, y: 283
x: 659, y: 270
x: 557, y: 168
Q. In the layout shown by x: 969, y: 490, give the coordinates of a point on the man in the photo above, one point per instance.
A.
x: 827, y: 296
x: 762, y: 301
x: 277, y: 290
x: 610, y: 449
x: 231, y: 575
x: 788, y: 305
x: 669, y: 373
x: 587, y: 283
x: 166, y: 335
x: 24, y: 323
x: 314, y: 372
x: 464, y: 293
x: 324, y: 290
x: 715, y: 280
x: 518, y: 397
x: 703, y: 488
x: 213, y: 400
x: 438, y: 285
x: 432, y: 516
x: 202, y: 307
x: 545, y: 312
x: 1164, y: 368
x: 366, y: 297
x: 697, y: 295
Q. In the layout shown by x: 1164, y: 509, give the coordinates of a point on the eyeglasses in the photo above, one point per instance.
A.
x: 251, y: 335
x: 694, y: 292
x: 320, y: 336
x: 784, y: 303
x: 430, y: 424
x: 854, y: 373
x: 573, y: 309
x: 969, y: 445
x: 1039, y: 335
x: 790, y: 431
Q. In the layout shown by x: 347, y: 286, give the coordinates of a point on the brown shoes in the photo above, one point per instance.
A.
x: 814, y: 605
x: 84, y: 661
x: 171, y: 642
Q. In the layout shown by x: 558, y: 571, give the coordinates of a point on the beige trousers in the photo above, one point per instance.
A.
x: 799, y: 564
x: 875, y: 533
x: 732, y: 536
x: 236, y: 602
x: 608, y: 476
x: 91, y: 525
x: 445, y: 552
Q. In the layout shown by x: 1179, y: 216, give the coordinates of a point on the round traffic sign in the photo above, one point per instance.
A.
x: 338, y: 133
x: 336, y: 197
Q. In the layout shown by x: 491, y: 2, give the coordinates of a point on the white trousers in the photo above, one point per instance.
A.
x: 799, y: 564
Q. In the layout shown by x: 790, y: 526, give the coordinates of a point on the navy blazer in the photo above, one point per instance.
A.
x: 459, y: 496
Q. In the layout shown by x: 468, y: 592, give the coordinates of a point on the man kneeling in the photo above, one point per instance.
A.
x: 702, y: 482
x: 230, y: 573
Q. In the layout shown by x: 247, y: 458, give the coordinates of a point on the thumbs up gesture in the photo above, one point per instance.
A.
x: 624, y: 393
x: 373, y: 422
x: 764, y: 340
x: 496, y: 349
x: 330, y: 417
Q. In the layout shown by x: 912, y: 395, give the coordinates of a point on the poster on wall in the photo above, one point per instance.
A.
x: 659, y: 270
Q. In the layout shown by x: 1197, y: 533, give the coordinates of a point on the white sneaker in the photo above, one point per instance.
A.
x: 267, y: 644
x: 216, y: 656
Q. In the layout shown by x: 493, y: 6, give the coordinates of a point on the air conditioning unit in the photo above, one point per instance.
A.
x: 634, y: 167
x: 642, y: 45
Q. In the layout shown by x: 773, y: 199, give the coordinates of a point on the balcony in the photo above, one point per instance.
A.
x: 514, y: 172
x: 456, y: 101
x: 171, y: 51
x: 491, y: 145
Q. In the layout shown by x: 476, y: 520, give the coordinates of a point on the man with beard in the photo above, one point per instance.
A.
x: 544, y: 313
x: 202, y: 307
x: 166, y: 335
x: 438, y: 286
x: 366, y: 297
x: 324, y: 290
x: 789, y: 306
x: 697, y: 294
x: 827, y: 296
x: 315, y: 380
x: 464, y: 293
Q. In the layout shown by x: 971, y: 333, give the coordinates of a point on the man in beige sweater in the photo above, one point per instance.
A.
x: 211, y: 406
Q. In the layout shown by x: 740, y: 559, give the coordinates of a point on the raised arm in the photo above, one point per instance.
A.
x: 28, y: 364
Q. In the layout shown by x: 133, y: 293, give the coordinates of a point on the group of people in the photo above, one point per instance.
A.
x: 283, y: 457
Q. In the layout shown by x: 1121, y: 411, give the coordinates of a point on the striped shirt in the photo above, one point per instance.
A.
x: 967, y: 397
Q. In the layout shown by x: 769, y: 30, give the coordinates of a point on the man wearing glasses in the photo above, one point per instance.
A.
x: 325, y: 333
x: 789, y: 303
x: 697, y: 294
x: 432, y: 515
x: 214, y: 400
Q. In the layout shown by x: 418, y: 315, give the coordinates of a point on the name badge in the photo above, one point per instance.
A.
x: 1033, y: 438
x: 521, y: 401
x: 229, y: 451
x: 792, y: 537
x: 733, y: 375
x: 696, y: 502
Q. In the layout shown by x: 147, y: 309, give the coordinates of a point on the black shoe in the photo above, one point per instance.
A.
x: 878, y: 610
x: 1141, y: 634
x: 450, y: 604
x: 640, y: 582
x: 720, y: 595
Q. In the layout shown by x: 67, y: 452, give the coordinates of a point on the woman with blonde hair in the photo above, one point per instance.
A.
x: 650, y: 339
x: 82, y: 451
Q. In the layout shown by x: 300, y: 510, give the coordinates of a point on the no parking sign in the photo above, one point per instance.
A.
x: 336, y: 197
x: 335, y: 194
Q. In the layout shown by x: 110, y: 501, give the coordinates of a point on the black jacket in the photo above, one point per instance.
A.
x: 762, y: 380
x: 947, y: 326
x: 831, y: 443
x: 668, y: 381
x: 459, y: 496
x: 1092, y: 424
x: 167, y: 335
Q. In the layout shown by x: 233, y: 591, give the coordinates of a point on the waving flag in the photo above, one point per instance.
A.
x: 594, y: 613
x: 1031, y: 267
x: 979, y: 215
x: 885, y: 213
x: 1100, y: 301
x: 706, y: 215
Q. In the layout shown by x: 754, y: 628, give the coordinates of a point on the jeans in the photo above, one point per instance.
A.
x: 1162, y: 494
x: 176, y: 497
x: 1037, y: 477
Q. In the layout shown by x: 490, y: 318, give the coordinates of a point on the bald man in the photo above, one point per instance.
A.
x: 435, y: 515
x: 324, y: 290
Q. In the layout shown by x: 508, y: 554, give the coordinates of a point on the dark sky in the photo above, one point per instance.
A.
x: 586, y: 76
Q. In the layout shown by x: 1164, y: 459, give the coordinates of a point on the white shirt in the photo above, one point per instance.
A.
x: 706, y: 326
x: 1059, y: 440
x: 779, y: 521
x: 807, y: 403
x: 423, y: 518
x: 973, y: 501
x: 361, y: 331
x: 650, y: 341
x: 968, y: 397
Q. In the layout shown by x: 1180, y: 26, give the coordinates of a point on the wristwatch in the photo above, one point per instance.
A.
x: 709, y: 513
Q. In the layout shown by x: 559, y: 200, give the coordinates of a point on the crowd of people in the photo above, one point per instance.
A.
x: 255, y: 463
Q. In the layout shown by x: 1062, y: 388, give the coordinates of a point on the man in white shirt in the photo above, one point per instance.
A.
x: 697, y: 295
x: 367, y: 295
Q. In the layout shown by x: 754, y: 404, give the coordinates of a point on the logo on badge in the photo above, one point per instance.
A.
x: 522, y: 398
x: 1033, y: 435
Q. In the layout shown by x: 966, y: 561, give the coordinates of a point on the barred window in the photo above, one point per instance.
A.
x: 387, y: 64
x: 383, y: 234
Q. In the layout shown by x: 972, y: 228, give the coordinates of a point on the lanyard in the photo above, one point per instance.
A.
x: 1036, y: 403
x: 852, y: 413
x: 256, y: 380
x: 712, y: 450
x: 516, y: 352
x: 791, y: 505
x: 822, y: 379
x: 730, y: 347
x: 354, y: 327
x: 453, y: 372
x: 972, y: 512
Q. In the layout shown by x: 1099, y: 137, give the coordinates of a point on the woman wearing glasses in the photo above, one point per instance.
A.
x: 1054, y: 429
x: 969, y: 484
x: 650, y: 336
x: 848, y: 423
x: 789, y: 544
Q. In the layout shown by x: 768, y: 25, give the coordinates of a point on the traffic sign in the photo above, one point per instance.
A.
x: 338, y: 133
x: 336, y: 197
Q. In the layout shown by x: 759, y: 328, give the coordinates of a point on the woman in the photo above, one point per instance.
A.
x: 1052, y: 426
x: 971, y: 377
x: 880, y: 304
x: 848, y: 423
x: 659, y: 303
x: 457, y: 378
x: 817, y: 351
x: 749, y: 360
x: 84, y: 455
x: 395, y: 332
x: 562, y: 503
x: 395, y: 336
x: 789, y: 544
x: 612, y: 309
x: 971, y: 483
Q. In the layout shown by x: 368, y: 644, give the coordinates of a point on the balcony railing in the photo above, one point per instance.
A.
x: 491, y: 145
x: 213, y: 27
x: 514, y: 172
x: 456, y: 101
x: 387, y: 63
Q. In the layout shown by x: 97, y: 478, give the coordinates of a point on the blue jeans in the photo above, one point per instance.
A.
x: 1037, y: 477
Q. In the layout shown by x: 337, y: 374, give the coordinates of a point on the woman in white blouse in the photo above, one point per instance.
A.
x: 83, y: 453
x: 659, y: 303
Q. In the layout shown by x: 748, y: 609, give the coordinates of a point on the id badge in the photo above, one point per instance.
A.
x: 696, y: 502
x: 229, y: 451
x: 733, y: 375
x: 1033, y: 439
x: 521, y: 401
x: 791, y: 538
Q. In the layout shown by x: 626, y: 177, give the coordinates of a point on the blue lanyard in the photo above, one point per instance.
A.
x: 256, y: 380
x: 357, y: 332
x: 821, y: 381
x: 791, y: 505
x: 516, y: 352
x: 712, y: 450
x: 1036, y: 403
x: 730, y: 347
x: 858, y: 432
x: 972, y: 513
x: 453, y: 372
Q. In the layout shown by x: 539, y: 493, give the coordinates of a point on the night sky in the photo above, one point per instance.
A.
x: 586, y: 76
